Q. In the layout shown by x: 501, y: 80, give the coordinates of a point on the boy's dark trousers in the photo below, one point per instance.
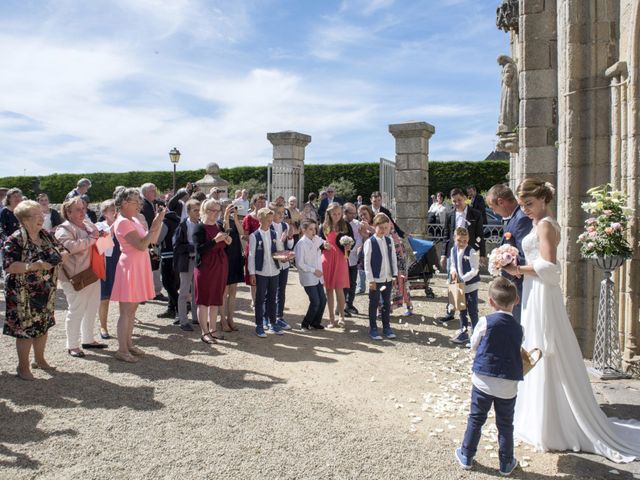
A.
x: 283, y: 276
x: 471, y: 299
x: 266, y: 290
x: 480, y: 405
x: 317, y: 304
x: 170, y: 282
x: 350, y: 293
x: 374, y: 301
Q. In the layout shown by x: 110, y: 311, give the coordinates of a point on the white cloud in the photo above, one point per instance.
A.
x: 443, y: 110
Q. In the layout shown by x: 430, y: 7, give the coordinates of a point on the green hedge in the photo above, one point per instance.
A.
x: 443, y: 176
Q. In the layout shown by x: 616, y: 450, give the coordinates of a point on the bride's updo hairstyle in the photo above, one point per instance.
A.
x: 536, y: 188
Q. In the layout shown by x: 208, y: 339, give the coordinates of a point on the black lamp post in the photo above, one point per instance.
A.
x: 174, y: 155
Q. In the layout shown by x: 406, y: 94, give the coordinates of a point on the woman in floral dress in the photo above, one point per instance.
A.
x: 30, y: 259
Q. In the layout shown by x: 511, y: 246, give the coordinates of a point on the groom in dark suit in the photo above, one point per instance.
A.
x: 516, y: 225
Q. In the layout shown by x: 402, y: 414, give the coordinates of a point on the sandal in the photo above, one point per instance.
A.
x: 341, y: 323
x: 208, y: 339
x: 125, y: 357
x: 21, y: 376
x: 214, y: 334
x: 47, y: 368
x: 136, y: 351
x: 233, y: 327
x: 331, y: 325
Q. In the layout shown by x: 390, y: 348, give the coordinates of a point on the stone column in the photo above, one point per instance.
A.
x: 584, y: 34
x: 412, y: 175
x: 537, y: 64
x: 288, y: 164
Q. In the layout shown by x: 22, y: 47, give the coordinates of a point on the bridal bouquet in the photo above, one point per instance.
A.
x: 501, y: 257
x: 605, y: 229
x: 347, y: 243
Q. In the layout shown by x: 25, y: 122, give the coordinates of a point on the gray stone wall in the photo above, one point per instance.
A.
x: 538, y: 67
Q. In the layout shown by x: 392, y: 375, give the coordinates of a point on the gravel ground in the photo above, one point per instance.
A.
x: 304, y: 405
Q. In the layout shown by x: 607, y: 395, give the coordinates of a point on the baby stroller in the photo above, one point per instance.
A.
x: 424, y: 266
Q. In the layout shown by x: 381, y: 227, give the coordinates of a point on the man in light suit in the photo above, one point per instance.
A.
x: 331, y: 197
x: 462, y: 215
x: 516, y: 226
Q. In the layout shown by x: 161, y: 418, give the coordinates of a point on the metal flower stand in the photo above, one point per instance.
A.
x: 607, y: 359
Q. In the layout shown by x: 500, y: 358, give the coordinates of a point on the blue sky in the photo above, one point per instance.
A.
x: 113, y: 85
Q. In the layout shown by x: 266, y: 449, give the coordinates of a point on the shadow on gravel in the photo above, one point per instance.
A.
x: 20, y: 428
x: 579, y: 466
x: 152, y: 367
x: 619, y: 410
x: 77, y: 390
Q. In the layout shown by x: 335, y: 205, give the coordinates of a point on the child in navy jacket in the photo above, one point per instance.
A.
x: 381, y: 270
x: 464, y: 266
x: 497, y: 369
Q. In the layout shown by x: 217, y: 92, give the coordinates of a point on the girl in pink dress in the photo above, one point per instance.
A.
x: 335, y: 263
x: 250, y: 224
x: 133, y: 282
x: 210, y: 273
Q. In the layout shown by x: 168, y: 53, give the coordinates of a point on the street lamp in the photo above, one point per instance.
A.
x: 174, y: 156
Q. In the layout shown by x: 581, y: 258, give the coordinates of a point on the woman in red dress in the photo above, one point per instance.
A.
x: 210, y: 272
x: 335, y: 263
x: 250, y: 224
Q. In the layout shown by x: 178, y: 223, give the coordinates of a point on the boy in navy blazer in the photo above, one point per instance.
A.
x: 284, y: 241
x: 497, y: 369
x: 464, y: 267
x: 264, y: 271
x: 516, y: 226
x: 381, y: 270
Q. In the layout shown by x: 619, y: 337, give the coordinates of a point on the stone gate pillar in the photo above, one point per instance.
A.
x: 412, y: 175
x: 288, y: 164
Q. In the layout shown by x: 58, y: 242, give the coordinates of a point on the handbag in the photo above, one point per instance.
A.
x: 456, y: 296
x: 98, y: 264
x: 82, y: 279
x: 528, y: 360
x: 88, y: 276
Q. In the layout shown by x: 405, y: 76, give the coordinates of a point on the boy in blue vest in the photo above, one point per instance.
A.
x: 284, y: 241
x: 264, y: 271
x: 381, y: 271
x: 464, y: 266
x: 497, y: 369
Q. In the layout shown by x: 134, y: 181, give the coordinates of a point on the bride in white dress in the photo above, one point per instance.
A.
x: 556, y: 408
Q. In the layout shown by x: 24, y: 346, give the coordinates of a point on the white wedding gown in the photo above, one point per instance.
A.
x: 556, y: 408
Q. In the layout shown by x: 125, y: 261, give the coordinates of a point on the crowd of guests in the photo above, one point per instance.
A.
x: 198, y: 247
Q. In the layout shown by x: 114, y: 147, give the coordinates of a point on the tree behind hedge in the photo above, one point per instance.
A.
x: 443, y: 176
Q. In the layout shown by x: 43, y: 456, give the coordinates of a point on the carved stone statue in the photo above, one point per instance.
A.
x: 507, y: 16
x: 509, y: 97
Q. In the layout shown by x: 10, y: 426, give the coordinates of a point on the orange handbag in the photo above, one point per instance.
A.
x: 98, y: 263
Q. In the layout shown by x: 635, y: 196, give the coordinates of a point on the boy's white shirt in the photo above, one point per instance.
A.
x: 456, y: 266
x: 387, y: 272
x: 280, y: 245
x: 308, y: 260
x: 498, y: 387
x: 268, y: 267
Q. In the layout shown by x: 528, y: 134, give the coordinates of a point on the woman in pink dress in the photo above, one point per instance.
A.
x: 133, y: 282
x: 335, y: 263
x: 250, y: 224
x: 210, y: 273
